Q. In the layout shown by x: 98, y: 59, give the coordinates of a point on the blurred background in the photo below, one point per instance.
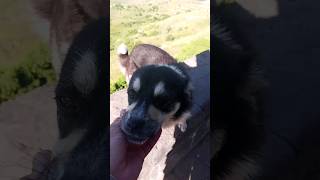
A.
x: 24, y: 55
x: 286, y: 40
x: 27, y: 78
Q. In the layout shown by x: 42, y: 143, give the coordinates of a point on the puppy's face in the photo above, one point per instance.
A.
x: 157, y: 94
x: 81, y: 96
x: 81, y: 93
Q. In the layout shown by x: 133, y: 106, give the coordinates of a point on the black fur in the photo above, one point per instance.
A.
x: 238, y: 102
x: 139, y: 123
x: 175, y: 90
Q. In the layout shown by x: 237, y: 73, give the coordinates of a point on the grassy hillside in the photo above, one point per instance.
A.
x: 181, y: 27
x: 24, y: 57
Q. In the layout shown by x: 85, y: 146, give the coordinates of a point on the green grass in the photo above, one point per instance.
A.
x: 119, y: 84
x: 24, y: 57
x: 183, y: 30
x: 192, y: 48
x: 35, y: 70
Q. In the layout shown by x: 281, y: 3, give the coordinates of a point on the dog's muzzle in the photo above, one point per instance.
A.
x: 137, y: 126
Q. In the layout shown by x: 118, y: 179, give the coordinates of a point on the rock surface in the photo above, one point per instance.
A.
x: 27, y: 125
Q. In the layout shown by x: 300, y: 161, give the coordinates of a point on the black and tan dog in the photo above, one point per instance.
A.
x: 158, y: 96
x: 238, y: 88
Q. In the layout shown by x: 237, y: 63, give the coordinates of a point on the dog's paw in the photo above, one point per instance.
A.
x: 182, y: 126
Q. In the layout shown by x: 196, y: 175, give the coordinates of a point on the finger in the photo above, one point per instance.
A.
x: 116, y: 135
x: 115, y: 126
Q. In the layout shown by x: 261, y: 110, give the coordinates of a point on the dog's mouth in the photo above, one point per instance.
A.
x: 139, y: 137
x: 134, y: 139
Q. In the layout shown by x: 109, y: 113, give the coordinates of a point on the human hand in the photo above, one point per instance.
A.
x: 126, y: 159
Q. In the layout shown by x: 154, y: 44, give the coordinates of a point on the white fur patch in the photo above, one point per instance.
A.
x: 67, y: 144
x: 159, y: 89
x: 182, y: 126
x: 136, y: 84
x: 175, y: 69
x: 85, y: 73
x: 131, y: 106
x: 176, y: 108
x: 160, y: 116
x: 181, y: 120
x: 184, y: 117
x: 129, y: 109
x: 64, y: 146
x: 122, y: 49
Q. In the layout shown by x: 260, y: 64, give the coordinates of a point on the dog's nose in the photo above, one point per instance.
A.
x: 135, y: 124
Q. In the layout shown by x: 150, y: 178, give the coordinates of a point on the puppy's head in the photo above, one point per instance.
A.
x: 81, y: 97
x: 81, y: 92
x: 158, y: 95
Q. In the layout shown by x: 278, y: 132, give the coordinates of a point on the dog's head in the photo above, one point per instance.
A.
x: 158, y: 95
x: 81, y: 93
x: 82, y: 98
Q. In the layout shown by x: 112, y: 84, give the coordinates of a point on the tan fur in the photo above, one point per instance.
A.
x: 136, y: 84
x: 166, y: 119
x: 159, y: 89
x: 85, y: 73
x: 65, y: 145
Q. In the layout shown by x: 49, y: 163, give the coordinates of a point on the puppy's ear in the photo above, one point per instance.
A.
x: 43, y: 8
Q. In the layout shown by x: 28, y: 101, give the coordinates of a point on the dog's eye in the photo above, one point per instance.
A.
x: 132, y: 94
x: 64, y: 101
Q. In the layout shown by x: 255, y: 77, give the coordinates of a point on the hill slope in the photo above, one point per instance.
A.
x: 181, y: 27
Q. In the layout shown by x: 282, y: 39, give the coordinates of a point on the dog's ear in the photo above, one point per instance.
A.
x: 43, y: 8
